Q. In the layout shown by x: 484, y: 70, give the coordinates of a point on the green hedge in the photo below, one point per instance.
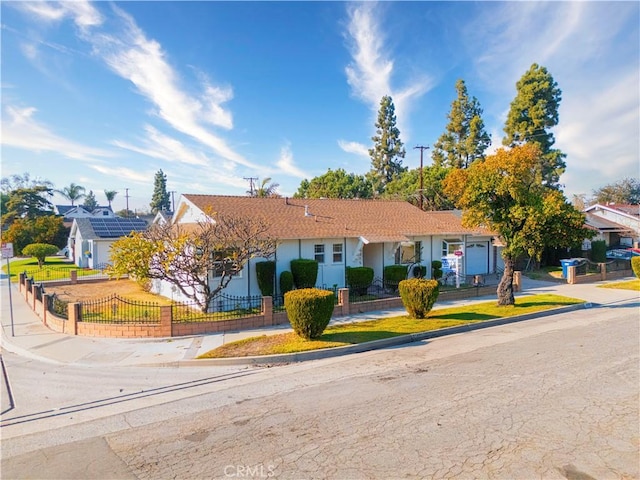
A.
x: 635, y: 266
x: 436, y: 269
x: 418, y: 296
x: 309, y: 311
x: 305, y: 272
x: 265, y: 271
x: 359, y: 279
x: 286, y: 282
x: 393, y: 275
x: 599, y: 251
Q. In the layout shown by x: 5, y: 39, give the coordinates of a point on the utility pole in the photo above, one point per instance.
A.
x: 422, y: 149
x: 126, y: 195
x: 251, y: 186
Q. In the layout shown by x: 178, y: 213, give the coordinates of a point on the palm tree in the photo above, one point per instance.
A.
x: 110, y: 194
x: 265, y: 190
x: 72, y: 193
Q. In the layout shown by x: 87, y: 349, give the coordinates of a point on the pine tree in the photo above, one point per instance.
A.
x: 465, y: 139
x: 160, y: 200
x: 90, y: 202
x: 387, y: 152
x: 533, y: 112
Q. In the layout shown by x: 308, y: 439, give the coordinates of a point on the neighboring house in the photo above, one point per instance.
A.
x: 78, y: 211
x: 346, y: 233
x: 616, y: 224
x: 162, y: 218
x: 91, y: 238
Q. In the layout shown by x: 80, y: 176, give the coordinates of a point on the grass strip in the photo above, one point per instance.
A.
x: 627, y: 285
x: 366, y: 331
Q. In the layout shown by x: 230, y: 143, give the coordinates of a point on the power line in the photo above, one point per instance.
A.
x: 251, y: 185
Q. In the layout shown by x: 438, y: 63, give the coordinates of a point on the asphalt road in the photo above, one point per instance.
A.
x: 550, y: 398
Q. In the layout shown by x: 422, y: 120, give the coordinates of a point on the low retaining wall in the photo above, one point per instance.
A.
x: 166, y: 327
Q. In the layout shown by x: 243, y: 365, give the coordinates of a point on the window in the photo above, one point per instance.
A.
x: 318, y: 251
x: 337, y: 253
x: 450, y: 246
x: 224, y: 263
x: 409, y: 252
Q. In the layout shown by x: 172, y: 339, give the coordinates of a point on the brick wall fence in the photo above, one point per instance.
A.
x: 573, y: 277
x: 166, y: 327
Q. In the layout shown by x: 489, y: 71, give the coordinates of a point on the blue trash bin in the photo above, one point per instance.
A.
x: 569, y: 262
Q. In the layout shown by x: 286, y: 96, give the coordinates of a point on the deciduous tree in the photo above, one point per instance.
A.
x: 40, y: 251
x: 505, y: 193
x: 388, y: 151
x: 533, y: 112
x: 407, y: 187
x: 44, y: 229
x: 219, y: 246
x: 465, y: 139
x: 626, y: 191
x: 335, y: 184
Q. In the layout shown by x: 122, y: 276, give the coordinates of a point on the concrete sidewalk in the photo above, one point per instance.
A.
x: 30, y: 338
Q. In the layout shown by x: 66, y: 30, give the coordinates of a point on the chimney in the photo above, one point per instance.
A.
x: 306, y: 211
x: 286, y: 200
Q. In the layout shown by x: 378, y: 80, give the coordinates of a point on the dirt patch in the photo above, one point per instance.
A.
x: 98, y: 290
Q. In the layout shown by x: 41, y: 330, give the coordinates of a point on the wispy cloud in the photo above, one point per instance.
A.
x: 287, y: 165
x: 123, y: 173
x: 370, y: 72
x: 161, y: 146
x: 133, y: 56
x: 21, y: 130
x: 354, y: 147
x: 81, y: 12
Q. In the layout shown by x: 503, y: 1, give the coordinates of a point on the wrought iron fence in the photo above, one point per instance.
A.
x: 618, y: 264
x: 115, y: 309
x: 223, y: 307
x: 58, y: 307
x: 48, y: 273
x: 586, y: 266
x: 373, y: 291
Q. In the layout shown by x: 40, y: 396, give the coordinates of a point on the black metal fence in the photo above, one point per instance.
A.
x: 223, y: 307
x: 618, y: 264
x: 373, y: 291
x: 586, y: 266
x: 115, y: 309
x: 58, y: 307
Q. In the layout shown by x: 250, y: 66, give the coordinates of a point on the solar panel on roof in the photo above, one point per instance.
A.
x: 116, y: 227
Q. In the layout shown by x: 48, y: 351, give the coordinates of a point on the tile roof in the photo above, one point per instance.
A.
x: 375, y: 220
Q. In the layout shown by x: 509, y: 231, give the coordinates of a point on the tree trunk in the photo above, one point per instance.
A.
x: 505, y: 287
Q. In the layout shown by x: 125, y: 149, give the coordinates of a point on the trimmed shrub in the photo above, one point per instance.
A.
x: 40, y: 251
x: 635, y: 266
x: 418, y: 296
x: 599, y: 251
x: 305, y: 272
x: 265, y: 271
x: 436, y: 269
x: 309, y: 311
x: 359, y: 279
x: 393, y: 275
x: 286, y: 282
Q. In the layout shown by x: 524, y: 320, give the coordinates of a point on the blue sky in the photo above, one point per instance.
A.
x: 105, y: 94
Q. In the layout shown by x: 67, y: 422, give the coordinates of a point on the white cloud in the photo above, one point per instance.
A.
x: 159, y: 145
x: 143, y: 62
x: 82, y: 12
x: 20, y: 130
x: 286, y: 163
x: 124, y: 173
x: 354, y: 147
x: 369, y: 74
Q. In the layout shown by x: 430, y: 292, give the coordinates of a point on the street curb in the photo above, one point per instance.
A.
x: 375, y: 344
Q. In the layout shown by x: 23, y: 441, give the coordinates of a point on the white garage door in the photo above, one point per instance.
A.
x: 477, y: 254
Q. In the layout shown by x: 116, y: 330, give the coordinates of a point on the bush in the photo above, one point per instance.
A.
x: 635, y: 266
x: 286, y: 282
x: 265, y: 271
x: 309, y: 311
x: 418, y: 296
x: 436, y: 269
x: 40, y: 251
x: 419, y: 271
x: 393, y: 275
x: 359, y: 279
x: 599, y: 251
x: 305, y: 272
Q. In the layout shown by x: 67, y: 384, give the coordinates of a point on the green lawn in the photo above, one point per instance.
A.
x: 628, y: 285
x: 54, y: 268
x: 359, y: 332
